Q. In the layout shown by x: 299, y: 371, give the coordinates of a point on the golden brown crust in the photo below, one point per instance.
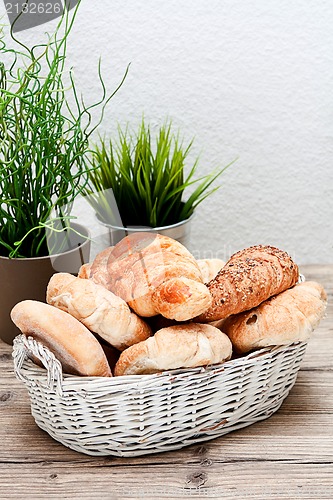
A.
x: 248, y: 278
x: 182, y: 346
x: 143, y: 265
x: 98, y: 309
x: 285, y: 318
x: 71, y: 342
x: 181, y: 299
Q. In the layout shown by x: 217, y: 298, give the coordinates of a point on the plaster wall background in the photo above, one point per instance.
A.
x: 251, y: 80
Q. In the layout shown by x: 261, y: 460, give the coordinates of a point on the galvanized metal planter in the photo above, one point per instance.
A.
x: 27, y: 278
x: 180, y: 231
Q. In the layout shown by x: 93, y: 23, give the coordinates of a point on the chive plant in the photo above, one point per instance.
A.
x: 43, y: 140
x: 147, y: 176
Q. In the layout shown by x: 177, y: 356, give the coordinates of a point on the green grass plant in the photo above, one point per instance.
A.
x: 148, y: 176
x: 45, y: 128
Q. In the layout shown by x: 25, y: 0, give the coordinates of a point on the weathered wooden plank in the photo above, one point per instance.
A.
x: 256, y: 480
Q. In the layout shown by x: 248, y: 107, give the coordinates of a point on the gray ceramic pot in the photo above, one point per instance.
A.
x: 23, y: 279
x: 180, y: 231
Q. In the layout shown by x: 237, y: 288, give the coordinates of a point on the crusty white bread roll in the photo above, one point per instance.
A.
x: 209, y: 268
x: 288, y: 317
x: 247, y: 279
x: 182, y: 346
x: 70, y: 341
x: 154, y: 274
x: 98, y: 309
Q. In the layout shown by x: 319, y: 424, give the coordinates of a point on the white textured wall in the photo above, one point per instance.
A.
x: 250, y: 79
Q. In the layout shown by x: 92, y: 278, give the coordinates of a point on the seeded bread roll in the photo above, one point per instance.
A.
x: 209, y: 268
x: 154, y: 274
x: 288, y: 317
x: 70, y: 341
x: 248, y: 278
x: 98, y: 309
x: 183, y: 346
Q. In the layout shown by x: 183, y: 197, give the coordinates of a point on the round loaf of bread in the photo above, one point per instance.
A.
x: 70, y: 341
x: 98, y: 309
x: 181, y: 346
x: 288, y: 317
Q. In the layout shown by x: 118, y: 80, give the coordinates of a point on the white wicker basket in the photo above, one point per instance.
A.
x: 137, y: 415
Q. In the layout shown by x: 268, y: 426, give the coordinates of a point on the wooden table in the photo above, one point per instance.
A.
x: 289, y: 455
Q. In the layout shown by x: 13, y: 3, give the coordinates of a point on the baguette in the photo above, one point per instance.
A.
x: 249, y: 277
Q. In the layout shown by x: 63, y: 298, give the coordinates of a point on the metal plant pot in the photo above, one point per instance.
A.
x: 180, y: 231
x: 27, y: 278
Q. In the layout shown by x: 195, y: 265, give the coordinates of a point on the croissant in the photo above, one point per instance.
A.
x: 98, y: 309
x: 182, y: 346
x: 288, y: 317
x: 98, y: 266
x: 154, y: 274
x: 248, y: 278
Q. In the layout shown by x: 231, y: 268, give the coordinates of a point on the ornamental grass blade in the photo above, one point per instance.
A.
x: 201, y: 192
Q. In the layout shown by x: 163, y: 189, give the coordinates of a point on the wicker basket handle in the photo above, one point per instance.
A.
x: 25, y: 346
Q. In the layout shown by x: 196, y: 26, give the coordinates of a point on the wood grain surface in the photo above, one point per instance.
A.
x: 289, y: 455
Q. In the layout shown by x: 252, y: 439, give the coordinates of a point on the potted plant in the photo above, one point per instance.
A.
x: 139, y: 183
x: 43, y: 167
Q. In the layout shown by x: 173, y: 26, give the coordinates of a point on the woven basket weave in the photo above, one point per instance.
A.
x: 136, y: 415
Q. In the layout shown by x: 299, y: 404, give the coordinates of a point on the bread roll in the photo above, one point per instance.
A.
x: 84, y: 271
x: 248, y: 278
x: 183, y: 346
x: 70, y: 341
x: 288, y: 317
x: 209, y: 268
x: 154, y: 274
x: 98, y: 309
